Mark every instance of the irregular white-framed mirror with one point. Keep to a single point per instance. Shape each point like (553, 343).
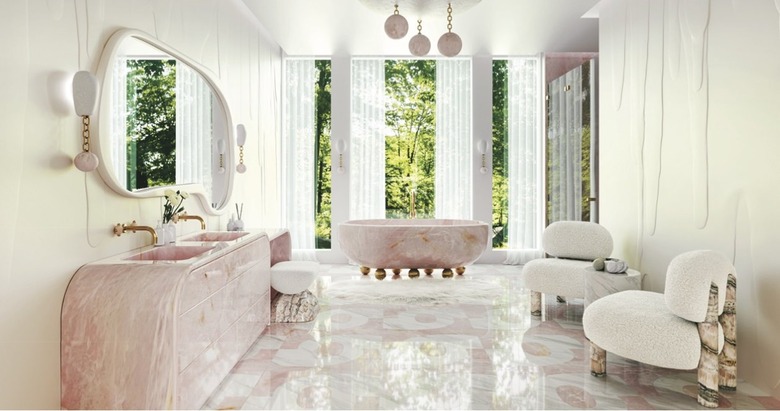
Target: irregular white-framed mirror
(163, 123)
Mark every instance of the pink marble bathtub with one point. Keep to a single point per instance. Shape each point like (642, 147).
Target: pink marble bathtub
(413, 244)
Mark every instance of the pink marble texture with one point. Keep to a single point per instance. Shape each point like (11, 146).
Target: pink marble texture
(281, 247)
(391, 243)
(162, 334)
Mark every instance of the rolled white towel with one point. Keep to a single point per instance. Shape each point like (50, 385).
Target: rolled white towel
(615, 266)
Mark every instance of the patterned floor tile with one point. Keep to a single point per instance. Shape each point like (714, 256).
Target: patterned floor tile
(492, 355)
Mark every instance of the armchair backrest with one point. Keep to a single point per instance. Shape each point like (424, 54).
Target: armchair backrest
(578, 240)
(688, 280)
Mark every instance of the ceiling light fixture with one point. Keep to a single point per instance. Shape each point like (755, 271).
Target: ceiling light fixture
(419, 45)
(450, 43)
(396, 25)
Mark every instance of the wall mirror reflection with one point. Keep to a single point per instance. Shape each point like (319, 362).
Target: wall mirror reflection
(163, 123)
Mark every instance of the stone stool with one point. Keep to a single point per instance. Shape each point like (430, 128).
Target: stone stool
(294, 303)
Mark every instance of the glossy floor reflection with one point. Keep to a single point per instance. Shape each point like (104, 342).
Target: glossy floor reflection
(491, 355)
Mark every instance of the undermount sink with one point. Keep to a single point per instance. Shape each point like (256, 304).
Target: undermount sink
(217, 236)
(171, 253)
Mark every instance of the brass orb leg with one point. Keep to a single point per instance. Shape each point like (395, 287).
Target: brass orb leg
(446, 273)
(460, 270)
(364, 270)
(428, 271)
(380, 274)
(414, 273)
(396, 271)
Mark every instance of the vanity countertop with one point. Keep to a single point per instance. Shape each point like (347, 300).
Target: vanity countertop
(163, 333)
(207, 250)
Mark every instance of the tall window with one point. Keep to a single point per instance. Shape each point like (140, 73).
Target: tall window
(307, 177)
(322, 148)
(517, 152)
(410, 146)
(410, 117)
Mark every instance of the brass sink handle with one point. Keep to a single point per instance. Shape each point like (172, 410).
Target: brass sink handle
(185, 216)
(120, 229)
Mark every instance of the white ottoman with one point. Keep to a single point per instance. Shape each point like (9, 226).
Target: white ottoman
(294, 303)
(293, 277)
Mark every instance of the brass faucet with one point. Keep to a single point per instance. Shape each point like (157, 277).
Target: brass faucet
(184, 216)
(412, 210)
(120, 229)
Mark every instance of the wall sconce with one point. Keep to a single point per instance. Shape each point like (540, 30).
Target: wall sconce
(85, 91)
(341, 147)
(221, 152)
(240, 140)
(482, 147)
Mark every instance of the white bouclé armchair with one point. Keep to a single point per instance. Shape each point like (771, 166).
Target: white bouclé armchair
(692, 325)
(573, 245)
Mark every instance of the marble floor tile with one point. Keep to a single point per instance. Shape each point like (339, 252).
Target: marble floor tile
(492, 355)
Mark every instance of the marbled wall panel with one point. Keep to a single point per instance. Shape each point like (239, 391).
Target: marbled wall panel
(694, 19)
(717, 156)
(637, 54)
(654, 118)
(56, 218)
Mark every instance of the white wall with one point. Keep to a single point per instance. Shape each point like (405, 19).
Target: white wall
(690, 149)
(54, 218)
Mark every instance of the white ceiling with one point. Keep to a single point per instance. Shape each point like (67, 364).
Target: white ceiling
(492, 27)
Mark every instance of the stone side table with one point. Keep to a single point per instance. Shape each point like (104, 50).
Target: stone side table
(602, 283)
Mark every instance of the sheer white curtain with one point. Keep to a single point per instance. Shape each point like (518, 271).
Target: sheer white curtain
(367, 140)
(193, 127)
(525, 203)
(565, 139)
(298, 156)
(118, 133)
(453, 139)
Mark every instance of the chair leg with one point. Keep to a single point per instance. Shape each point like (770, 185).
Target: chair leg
(728, 357)
(536, 303)
(708, 360)
(598, 361)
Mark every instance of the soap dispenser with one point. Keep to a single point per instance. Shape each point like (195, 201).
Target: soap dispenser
(231, 225)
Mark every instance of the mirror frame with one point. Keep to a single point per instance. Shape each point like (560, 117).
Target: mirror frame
(102, 148)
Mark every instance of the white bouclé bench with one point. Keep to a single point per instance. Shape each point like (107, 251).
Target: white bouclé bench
(294, 302)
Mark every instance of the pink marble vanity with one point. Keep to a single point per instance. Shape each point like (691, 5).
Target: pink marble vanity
(163, 331)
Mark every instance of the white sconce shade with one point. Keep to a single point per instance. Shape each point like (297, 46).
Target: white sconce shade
(240, 135)
(482, 147)
(450, 44)
(85, 91)
(341, 147)
(240, 141)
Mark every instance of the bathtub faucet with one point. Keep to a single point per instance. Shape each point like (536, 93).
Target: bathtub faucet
(412, 211)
